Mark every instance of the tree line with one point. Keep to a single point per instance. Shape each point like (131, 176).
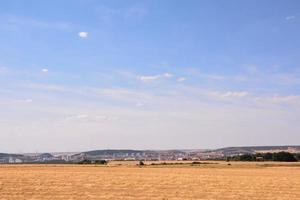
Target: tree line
(278, 156)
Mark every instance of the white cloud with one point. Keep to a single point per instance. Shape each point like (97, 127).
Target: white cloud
(149, 78)
(155, 77)
(236, 94)
(181, 79)
(90, 118)
(230, 94)
(83, 34)
(77, 117)
(167, 75)
(45, 70)
(290, 17)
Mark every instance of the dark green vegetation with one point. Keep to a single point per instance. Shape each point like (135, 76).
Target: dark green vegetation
(99, 162)
(183, 163)
(141, 163)
(279, 156)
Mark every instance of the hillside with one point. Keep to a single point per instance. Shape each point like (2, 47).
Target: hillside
(256, 149)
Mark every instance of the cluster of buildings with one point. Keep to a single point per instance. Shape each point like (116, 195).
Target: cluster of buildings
(120, 155)
(33, 158)
(147, 155)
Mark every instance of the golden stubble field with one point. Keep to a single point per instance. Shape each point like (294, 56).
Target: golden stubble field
(217, 181)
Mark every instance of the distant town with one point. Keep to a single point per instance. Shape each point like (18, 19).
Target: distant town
(145, 155)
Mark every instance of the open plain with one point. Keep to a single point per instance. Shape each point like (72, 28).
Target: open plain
(236, 181)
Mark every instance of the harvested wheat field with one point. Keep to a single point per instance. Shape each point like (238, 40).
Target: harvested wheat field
(236, 182)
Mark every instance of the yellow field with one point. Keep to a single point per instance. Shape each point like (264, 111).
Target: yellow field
(215, 181)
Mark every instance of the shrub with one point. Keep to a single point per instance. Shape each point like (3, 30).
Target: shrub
(196, 163)
(141, 163)
(85, 161)
(101, 162)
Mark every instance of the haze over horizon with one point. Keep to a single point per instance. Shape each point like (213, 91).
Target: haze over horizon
(84, 75)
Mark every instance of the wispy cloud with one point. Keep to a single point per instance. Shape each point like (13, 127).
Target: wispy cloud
(139, 104)
(109, 14)
(91, 118)
(180, 79)
(216, 77)
(155, 77)
(49, 87)
(24, 100)
(291, 17)
(4, 70)
(14, 22)
(279, 99)
(135, 12)
(102, 112)
(106, 14)
(229, 94)
(287, 78)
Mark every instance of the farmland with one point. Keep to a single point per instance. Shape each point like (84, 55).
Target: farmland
(128, 181)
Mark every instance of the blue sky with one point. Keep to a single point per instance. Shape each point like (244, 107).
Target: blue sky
(80, 75)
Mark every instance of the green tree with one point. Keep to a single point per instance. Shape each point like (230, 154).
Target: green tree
(247, 157)
(268, 156)
(298, 156)
(284, 157)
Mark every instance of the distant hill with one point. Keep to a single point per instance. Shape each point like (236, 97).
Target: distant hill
(7, 155)
(256, 149)
(112, 151)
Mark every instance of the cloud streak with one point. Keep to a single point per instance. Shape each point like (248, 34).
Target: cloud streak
(291, 17)
(135, 12)
(181, 79)
(14, 22)
(155, 77)
(231, 94)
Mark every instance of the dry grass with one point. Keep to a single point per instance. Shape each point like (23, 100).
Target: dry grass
(216, 181)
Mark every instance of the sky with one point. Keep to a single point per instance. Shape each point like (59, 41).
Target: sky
(150, 74)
